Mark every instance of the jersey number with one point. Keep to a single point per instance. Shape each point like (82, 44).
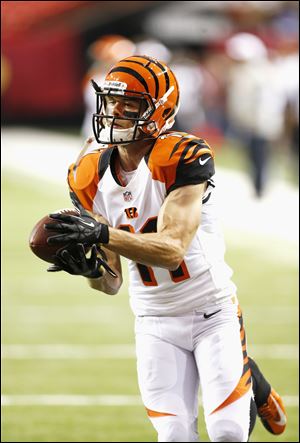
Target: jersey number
(146, 272)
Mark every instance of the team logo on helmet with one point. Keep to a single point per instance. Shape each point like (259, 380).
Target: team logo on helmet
(119, 87)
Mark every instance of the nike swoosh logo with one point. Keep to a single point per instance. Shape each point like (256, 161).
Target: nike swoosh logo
(282, 419)
(202, 162)
(88, 224)
(210, 315)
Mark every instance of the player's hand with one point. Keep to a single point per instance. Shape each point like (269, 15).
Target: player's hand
(77, 229)
(75, 262)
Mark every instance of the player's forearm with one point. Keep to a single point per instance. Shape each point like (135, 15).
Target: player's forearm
(106, 283)
(157, 249)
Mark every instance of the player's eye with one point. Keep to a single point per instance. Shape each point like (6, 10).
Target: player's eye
(132, 106)
(110, 100)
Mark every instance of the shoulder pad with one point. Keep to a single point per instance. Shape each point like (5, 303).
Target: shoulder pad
(84, 171)
(83, 179)
(174, 160)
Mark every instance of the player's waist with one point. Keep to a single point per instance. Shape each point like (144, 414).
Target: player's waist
(185, 307)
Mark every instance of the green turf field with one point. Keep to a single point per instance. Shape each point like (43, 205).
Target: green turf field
(39, 308)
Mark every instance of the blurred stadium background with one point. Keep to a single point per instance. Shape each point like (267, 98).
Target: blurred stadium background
(68, 371)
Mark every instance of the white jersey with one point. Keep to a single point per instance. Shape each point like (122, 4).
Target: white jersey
(176, 159)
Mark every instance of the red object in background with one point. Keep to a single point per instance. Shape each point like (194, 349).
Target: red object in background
(44, 61)
(45, 75)
(24, 16)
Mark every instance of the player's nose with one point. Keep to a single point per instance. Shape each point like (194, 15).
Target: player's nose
(118, 109)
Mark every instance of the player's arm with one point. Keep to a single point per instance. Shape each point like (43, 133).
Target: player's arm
(107, 283)
(178, 220)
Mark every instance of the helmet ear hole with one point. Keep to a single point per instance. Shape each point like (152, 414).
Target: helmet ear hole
(166, 112)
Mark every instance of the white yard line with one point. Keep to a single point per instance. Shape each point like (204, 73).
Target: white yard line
(61, 351)
(93, 400)
(70, 400)
(125, 351)
(63, 314)
(274, 351)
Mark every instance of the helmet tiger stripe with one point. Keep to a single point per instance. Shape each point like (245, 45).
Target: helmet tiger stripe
(154, 82)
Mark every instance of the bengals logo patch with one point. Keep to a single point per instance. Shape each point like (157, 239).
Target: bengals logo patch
(131, 212)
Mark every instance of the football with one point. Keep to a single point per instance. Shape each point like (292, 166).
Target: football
(38, 237)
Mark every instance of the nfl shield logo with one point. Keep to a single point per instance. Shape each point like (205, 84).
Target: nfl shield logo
(127, 196)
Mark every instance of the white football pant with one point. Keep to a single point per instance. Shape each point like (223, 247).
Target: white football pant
(174, 354)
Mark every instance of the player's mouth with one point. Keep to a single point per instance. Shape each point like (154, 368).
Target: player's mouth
(121, 125)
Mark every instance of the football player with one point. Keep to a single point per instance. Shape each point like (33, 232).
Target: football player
(147, 193)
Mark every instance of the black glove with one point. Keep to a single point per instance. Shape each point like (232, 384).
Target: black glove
(77, 229)
(75, 262)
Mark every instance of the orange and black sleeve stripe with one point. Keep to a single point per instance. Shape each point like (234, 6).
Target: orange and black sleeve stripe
(178, 163)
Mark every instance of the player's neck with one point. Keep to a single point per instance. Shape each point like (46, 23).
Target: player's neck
(131, 155)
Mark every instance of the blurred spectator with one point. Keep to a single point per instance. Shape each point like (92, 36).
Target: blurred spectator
(190, 78)
(287, 66)
(153, 48)
(214, 66)
(255, 102)
(103, 53)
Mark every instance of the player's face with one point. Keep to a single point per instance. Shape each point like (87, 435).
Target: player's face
(123, 107)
